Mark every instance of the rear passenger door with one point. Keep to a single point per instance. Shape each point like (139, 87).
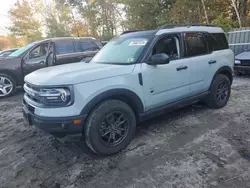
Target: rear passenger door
(198, 55)
(85, 49)
(65, 52)
(220, 55)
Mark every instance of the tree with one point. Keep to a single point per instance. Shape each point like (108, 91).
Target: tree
(237, 12)
(147, 14)
(81, 29)
(24, 23)
(224, 22)
(187, 11)
(205, 10)
(103, 17)
(58, 20)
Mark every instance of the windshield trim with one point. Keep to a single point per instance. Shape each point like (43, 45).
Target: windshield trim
(114, 63)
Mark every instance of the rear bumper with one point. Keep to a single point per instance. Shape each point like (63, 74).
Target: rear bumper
(62, 126)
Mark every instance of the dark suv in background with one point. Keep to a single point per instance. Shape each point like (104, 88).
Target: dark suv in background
(6, 53)
(41, 54)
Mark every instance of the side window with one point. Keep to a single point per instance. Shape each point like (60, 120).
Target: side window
(216, 41)
(169, 45)
(220, 41)
(212, 43)
(93, 46)
(39, 51)
(85, 46)
(64, 47)
(195, 44)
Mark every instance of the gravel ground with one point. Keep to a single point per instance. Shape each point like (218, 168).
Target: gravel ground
(193, 147)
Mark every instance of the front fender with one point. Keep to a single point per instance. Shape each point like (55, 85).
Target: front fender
(126, 95)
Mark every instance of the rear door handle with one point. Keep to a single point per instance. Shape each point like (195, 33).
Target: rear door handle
(181, 68)
(212, 62)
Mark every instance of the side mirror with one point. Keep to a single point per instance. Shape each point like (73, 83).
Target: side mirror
(159, 59)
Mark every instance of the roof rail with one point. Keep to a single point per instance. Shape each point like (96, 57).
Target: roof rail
(170, 26)
(132, 31)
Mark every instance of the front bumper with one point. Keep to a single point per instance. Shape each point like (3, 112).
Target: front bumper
(242, 68)
(62, 126)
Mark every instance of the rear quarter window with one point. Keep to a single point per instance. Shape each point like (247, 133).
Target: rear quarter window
(82, 46)
(217, 41)
(64, 47)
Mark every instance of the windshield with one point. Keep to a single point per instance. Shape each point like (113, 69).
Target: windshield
(21, 50)
(121, 50)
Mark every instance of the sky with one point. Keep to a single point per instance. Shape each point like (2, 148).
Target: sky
(5, 5)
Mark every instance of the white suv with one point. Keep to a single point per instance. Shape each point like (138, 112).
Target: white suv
(134, 77)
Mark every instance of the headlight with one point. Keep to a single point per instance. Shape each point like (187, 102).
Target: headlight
(237, 62)
(56, 97)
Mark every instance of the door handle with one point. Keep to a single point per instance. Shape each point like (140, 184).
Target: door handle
(181, 68)
(212, 62)
(41, 62)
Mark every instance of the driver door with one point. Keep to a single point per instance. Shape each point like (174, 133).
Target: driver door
(36, 58)
(165, 84)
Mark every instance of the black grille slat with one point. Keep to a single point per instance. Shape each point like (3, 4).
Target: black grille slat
(33, 87)
(30, 108)
(245, 62)
(35, 97)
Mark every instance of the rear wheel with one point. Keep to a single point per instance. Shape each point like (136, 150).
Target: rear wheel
(110, 127)
(7, 85)
(220, 92)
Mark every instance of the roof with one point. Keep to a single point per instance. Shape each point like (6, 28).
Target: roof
(140, 33)
(63, 38)
(209, 29)
(171, 26)
(175, 28)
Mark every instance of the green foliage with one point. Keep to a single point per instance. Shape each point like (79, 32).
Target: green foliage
(24, 22)
(186, 11)
(147, 14)
(58, 20)
(224, 22)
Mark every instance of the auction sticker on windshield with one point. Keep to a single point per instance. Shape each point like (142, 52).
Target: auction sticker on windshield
(138, 43)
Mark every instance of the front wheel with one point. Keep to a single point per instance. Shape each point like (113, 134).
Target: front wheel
(7, 85)
(110, 127)
(220, 92)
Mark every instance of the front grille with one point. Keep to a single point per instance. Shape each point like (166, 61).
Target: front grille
(245, 62)
(30, 108)
(32, 93)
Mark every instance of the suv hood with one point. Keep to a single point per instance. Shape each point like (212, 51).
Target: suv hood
(243, 56)
(76, 73)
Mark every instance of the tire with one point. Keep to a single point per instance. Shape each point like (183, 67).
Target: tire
(8, 80)
(100, 120)
(220, 82)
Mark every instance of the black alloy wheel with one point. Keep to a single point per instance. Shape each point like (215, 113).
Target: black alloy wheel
(114, 128)
(222, 92)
